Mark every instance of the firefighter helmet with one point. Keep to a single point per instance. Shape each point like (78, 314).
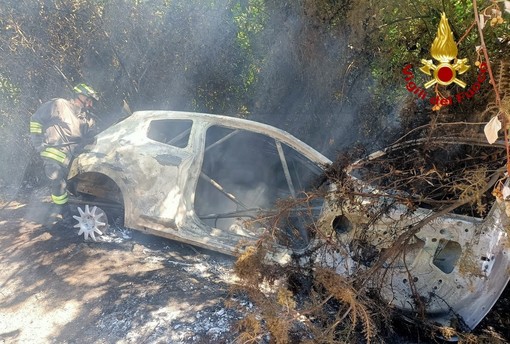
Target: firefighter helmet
(86, 90)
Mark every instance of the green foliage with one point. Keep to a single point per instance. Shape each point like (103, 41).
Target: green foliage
(405, 31)
(250, 20)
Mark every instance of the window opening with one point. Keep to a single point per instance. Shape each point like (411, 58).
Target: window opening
(173, 132)
(226, 137)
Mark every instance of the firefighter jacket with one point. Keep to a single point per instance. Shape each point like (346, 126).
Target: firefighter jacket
(58, 127)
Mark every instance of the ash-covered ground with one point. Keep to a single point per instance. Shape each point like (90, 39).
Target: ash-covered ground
(127, 287)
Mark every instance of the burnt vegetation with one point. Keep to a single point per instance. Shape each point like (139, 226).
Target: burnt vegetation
(444, 165)
(307, 301)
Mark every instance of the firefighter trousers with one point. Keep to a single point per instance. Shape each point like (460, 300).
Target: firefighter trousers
(56, 174)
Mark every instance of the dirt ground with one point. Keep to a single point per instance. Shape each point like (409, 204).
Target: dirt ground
(128, 287)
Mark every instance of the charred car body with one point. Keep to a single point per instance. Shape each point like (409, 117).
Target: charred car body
(194, 177)
(199, 178)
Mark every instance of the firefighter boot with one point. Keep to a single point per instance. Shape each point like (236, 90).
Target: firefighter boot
(60, 213)
(66, 213)
(53, 214)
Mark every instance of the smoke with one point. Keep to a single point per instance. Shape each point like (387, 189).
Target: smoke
(302, 86)
(306, 79)
(267, 61)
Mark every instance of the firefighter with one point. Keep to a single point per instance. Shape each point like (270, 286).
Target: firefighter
(57, 129)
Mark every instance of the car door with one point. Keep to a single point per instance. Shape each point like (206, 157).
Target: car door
(245, 174)
(164, 160)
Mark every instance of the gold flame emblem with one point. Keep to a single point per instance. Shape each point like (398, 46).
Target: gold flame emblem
(444, 50)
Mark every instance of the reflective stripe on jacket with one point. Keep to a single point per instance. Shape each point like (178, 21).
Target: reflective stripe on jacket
(36, 128)
(55, 154)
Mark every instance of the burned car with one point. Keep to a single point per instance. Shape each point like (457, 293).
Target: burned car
(205, 179)
(192, 177)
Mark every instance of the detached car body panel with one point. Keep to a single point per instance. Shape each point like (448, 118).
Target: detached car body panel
(199, 178)
(455, 266)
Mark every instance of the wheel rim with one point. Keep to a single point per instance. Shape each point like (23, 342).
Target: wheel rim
(91, 221)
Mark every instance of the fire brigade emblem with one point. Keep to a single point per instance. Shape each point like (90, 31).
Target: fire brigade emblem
(444, 50)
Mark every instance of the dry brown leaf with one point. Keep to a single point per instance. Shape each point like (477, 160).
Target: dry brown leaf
(491, 129)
